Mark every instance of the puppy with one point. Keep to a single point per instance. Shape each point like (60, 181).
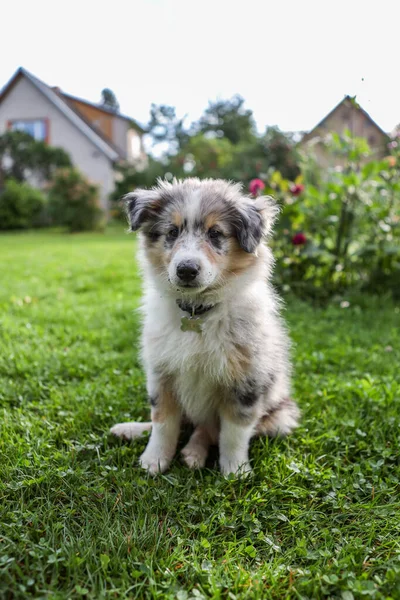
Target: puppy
(214, 348)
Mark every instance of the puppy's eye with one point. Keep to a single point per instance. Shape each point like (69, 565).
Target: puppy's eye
(173, 233)
(214, 233)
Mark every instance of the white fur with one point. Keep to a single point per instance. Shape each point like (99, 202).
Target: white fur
(234, 447)
(200, 362)
(190, 250)
(162, 445)
(130, 431)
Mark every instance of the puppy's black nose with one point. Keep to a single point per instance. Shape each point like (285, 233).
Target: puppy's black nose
(187, 270)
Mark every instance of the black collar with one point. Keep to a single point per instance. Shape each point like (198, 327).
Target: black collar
(194, 309)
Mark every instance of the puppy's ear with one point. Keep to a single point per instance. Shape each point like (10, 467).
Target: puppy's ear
(254, 221)
(142, 206)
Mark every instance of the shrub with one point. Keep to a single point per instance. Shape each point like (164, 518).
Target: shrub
(117, 212)
(340, 231)
(74, 202)
(21, 206)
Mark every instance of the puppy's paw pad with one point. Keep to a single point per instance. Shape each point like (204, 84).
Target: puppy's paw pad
(194, 458)
(154, 464)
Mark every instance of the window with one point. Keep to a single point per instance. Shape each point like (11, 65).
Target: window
(134, 145)
(37, 128)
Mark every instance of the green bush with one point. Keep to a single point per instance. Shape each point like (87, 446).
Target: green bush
(74, 202)
(21, 206)
(339, 230)
(117, 212)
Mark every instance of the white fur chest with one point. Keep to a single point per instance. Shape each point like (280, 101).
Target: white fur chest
(201, 363)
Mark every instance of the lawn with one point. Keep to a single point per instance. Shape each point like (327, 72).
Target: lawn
(78, 518)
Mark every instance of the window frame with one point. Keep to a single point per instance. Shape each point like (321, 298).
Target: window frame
(44, 120)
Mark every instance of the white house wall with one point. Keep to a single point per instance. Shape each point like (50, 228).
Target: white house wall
(119, 134)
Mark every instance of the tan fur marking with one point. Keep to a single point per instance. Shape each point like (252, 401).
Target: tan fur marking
(155, 253)
(176, 218)
(239, 260)
(212, 257)
(211, 220)
(166, 403)
(239, 360)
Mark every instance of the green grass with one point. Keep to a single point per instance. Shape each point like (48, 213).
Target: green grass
(78, 518)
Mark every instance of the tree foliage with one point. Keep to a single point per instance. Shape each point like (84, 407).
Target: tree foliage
(22, 156)
(165, 126)
(109, 100)
(129, 177)
(222, 143)
(228, 119)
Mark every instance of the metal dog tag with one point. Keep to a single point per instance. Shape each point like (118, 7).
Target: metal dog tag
(191, 324)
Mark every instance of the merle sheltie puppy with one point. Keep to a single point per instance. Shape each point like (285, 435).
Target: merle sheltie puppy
(214, 347)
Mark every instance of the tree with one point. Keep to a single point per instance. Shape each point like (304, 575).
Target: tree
(130, 177)
(223, 143)
(255, 158)
(165, 126)
(202, 157)
(109, 100)
(280, 150)
(21, 155)
(229, 119)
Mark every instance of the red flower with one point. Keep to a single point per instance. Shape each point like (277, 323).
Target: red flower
(299, 239)
(256, 186)
(391, 160)
(297, 189)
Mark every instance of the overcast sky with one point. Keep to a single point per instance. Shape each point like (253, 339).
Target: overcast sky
(292, 61)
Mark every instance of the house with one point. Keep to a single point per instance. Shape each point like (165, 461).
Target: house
(96, 138)
(349, 115)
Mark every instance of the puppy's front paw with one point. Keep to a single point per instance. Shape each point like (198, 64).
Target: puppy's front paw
(154, 464)
(235, 467)
(194, 456)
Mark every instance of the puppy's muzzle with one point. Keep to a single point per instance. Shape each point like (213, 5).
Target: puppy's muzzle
(187, 271)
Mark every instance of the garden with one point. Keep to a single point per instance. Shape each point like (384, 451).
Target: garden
(339, 227)
(320, 518)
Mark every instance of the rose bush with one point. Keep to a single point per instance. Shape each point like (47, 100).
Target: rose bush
(340, 229)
